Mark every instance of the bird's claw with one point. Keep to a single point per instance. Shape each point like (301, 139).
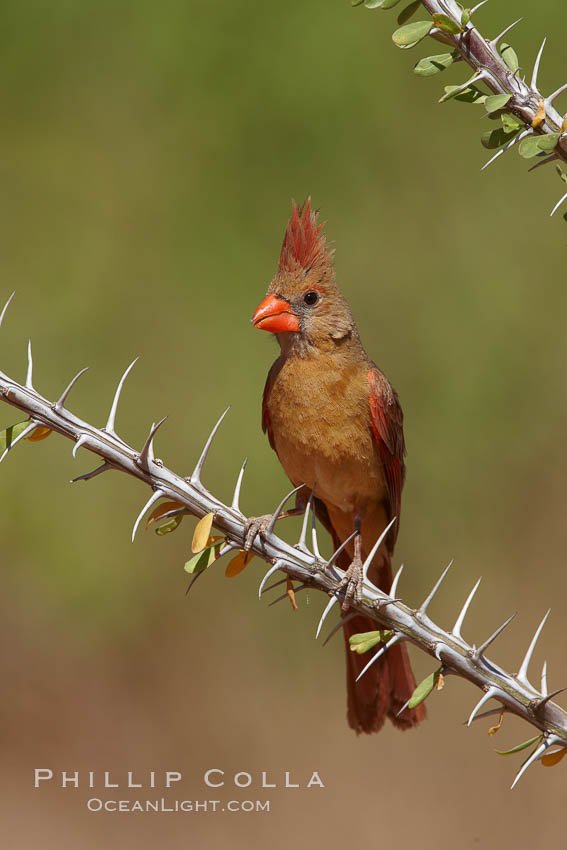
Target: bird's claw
(352, 580)
(255, 525)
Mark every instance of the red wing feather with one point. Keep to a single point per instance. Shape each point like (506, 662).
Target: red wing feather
(266, 425)
(386, 421)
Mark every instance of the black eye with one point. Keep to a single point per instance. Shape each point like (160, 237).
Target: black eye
(311, 298)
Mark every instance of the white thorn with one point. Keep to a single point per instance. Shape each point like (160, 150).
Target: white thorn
(456, 630)
(314, 540)
(477, 7)
(338, 551)
(150, 455)
(375, 548)
(549, 100)
(478, 652)
(544, 679)
(488, 695)
(63, 397)
(227, 548)
(153, 498)
(380, 652)
(403, 708)
(523, 672)
(534, 756)
(507, 147)
(29, 375)
(270, 572)
(80, 442)
(327, 610)
(491, 712)
(279, 509)
(425, 605)
(31, 427)
(558, 204)
(196, 474)
(494, 42)
(301, 545)
(236, 498)
(394, 587)
(146, 456)
(88, 475)
(474, 79)
(439, 647)
(109, 427)
(536, 66)
(6, 305)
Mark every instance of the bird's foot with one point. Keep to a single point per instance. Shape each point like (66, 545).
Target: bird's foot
(255, 525)
(353, 579)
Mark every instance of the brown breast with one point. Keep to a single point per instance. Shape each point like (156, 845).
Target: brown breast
(319, 417)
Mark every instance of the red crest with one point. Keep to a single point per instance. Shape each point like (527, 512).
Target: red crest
(304, 245)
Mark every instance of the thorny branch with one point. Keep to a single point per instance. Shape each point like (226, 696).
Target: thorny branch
(513, 692)
(536, 113)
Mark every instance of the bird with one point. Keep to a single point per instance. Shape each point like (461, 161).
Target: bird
(336, 425)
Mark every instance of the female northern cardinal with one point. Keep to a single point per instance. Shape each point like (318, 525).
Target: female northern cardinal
(335, 423)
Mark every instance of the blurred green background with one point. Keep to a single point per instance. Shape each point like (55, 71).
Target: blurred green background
(148, 156)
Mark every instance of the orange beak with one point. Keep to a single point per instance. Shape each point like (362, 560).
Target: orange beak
(275, 315)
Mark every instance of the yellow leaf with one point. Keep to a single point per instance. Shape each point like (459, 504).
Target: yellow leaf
(494, 729)
(564, 126)
(201, 533)
(440, 682)
(40, 433)
(237, 564)
(554, 758)
(539, 117)
(291, 593)
(161, 510)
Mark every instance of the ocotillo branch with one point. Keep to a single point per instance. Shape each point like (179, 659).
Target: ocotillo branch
(525, 116)
(513, 693)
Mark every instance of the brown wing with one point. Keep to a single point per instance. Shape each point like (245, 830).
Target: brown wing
(386, 422)
(266, 425)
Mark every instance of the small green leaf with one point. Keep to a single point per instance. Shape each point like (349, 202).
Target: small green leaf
(204, 559)
(519, 748)
(9, 434)
(532, 145)
(364, 641)
(561, 173)
(197, 563)
(510, 123)
(411, 34)
(470, 94)
(446, 24)
(548, 142)
(430, 65)
(496, 102)
(424, 689)
(465, 17)
(529, 147)
(356, 2)
(408, 12)
(496, 138)
(371, 4)
(510, 56)
(169, 526)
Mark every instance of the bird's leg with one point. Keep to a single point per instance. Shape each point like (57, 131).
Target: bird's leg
(353, 578)
(259, 524)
